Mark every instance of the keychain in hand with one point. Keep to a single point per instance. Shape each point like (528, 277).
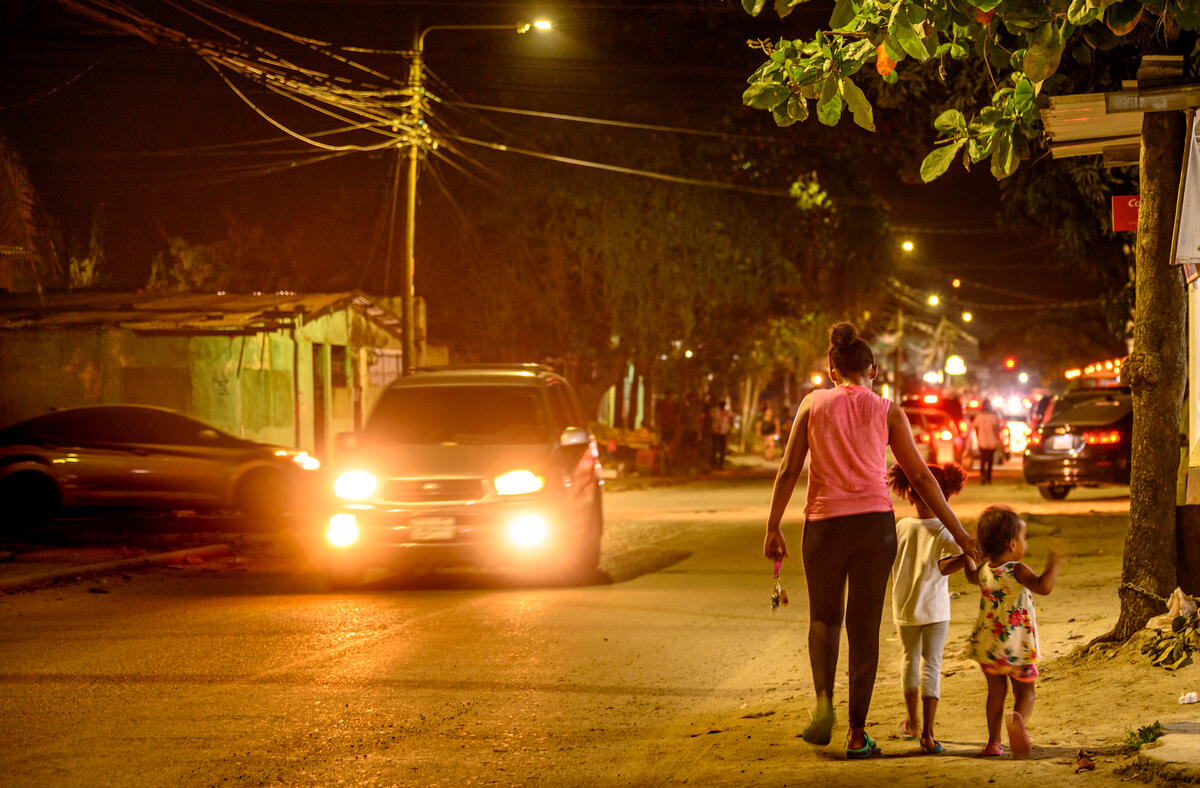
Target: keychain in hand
(778, 595)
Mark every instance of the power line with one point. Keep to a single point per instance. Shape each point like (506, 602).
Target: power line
(604, 122)
(659, 176)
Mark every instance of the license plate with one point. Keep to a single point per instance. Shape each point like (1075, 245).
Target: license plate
(1062, 442)
(431, 529)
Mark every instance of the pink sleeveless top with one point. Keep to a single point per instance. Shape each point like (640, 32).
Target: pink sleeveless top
(847, 439)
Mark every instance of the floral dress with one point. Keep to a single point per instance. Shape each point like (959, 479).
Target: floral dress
(1005, 640)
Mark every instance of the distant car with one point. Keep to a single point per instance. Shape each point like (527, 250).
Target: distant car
(1083, 440)
(140, 457)
(938, 426)
(487, 465)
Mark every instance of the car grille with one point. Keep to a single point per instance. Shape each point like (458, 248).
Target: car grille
(430, 490)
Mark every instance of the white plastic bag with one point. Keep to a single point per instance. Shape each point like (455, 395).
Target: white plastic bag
(1180, 604)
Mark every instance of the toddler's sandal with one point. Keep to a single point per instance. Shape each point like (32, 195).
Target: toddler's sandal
(992, 750)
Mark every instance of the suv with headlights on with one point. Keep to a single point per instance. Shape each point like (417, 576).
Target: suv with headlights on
(487, 465)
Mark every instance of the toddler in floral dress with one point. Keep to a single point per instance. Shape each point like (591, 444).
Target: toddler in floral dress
(1005, 639)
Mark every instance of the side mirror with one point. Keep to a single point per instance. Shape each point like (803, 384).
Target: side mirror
(574, 436)
(345, 441)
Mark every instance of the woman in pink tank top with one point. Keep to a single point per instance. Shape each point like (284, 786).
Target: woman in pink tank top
(849, 538)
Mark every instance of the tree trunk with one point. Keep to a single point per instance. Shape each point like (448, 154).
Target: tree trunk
(1156, 370)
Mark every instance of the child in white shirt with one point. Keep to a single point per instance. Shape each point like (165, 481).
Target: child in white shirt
(925, 554)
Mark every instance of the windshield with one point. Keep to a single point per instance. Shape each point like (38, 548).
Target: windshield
(460, 414)
(1093, 408)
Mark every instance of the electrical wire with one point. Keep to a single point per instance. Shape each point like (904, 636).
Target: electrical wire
(604, 122)
(47, 93)
(659, 176)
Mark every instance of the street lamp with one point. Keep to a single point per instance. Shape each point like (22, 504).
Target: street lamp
(907, 246)
(416, 74)
(933, 300)
(967, 317)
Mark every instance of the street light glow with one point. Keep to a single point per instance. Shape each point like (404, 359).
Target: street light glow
(934, 300)
(956, 366)
(956, 282)
(541, 25)
(967, 317)
(907, 246)
(1023, 377)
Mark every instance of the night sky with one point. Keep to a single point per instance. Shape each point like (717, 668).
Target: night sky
(102, 117)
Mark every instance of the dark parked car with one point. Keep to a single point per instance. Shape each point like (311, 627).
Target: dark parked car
(1083, 440)
(482, 465)
(140, 457)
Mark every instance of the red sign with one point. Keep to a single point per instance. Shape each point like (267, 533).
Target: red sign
(1124, 212)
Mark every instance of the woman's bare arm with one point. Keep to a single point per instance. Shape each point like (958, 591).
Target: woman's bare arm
(904, 449)
(774, 546)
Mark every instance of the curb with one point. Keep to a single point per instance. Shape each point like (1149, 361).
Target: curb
(107, 567)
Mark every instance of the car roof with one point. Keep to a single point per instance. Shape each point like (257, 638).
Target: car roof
(478, 374)
(105, 408)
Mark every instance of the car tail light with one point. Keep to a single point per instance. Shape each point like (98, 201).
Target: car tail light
(962, 426)
(1036, 439)
(1101, 437)
(924, 437)
(946, 435)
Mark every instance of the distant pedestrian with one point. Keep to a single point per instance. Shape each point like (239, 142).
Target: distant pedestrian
(721, 418)
(767, 428)
(849, 537)
(989, 437)
(1005, 640)
(925, 554)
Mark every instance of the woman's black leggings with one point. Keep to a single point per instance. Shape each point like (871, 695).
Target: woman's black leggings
(858, 548)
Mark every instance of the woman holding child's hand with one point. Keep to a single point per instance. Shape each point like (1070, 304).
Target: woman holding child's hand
(849, 535)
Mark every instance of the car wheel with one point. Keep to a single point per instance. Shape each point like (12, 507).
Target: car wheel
(31, 500)
(1054, 492)
(263, 494)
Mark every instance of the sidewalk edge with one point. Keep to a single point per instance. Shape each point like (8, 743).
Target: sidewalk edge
(107, 567)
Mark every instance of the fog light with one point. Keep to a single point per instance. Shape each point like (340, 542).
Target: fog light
(343, 530)
(528, 530)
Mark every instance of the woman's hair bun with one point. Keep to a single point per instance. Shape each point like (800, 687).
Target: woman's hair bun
(843, 334)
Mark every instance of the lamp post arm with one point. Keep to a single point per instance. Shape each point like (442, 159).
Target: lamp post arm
(426, 31)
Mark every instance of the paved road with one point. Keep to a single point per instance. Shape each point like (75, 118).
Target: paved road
(253, 674)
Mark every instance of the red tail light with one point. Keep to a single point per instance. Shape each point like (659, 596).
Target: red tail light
(962, 426)
(1036, 438)
(1101, 437)
(924, 437)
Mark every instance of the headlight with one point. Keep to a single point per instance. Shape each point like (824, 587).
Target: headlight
(306, 461)
(528, 530)
(342, 531)
(518, 483)
(354, 486)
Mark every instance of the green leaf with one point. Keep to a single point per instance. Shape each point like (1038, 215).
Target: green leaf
(951, 120)
(753, 7)
(859, 106)
(982, 5)
(854, 57)
(1044, 52)
(843, 14)
(908, 39)
(939, 160)
(781, 116)
(1004, 162)
(829, 105)
(1023, 95)
(1123, 17)
(797, 108)
(765, 95)
(1079, 13)
(893, 49)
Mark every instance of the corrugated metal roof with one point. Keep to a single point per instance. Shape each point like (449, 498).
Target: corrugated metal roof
(189, 313)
